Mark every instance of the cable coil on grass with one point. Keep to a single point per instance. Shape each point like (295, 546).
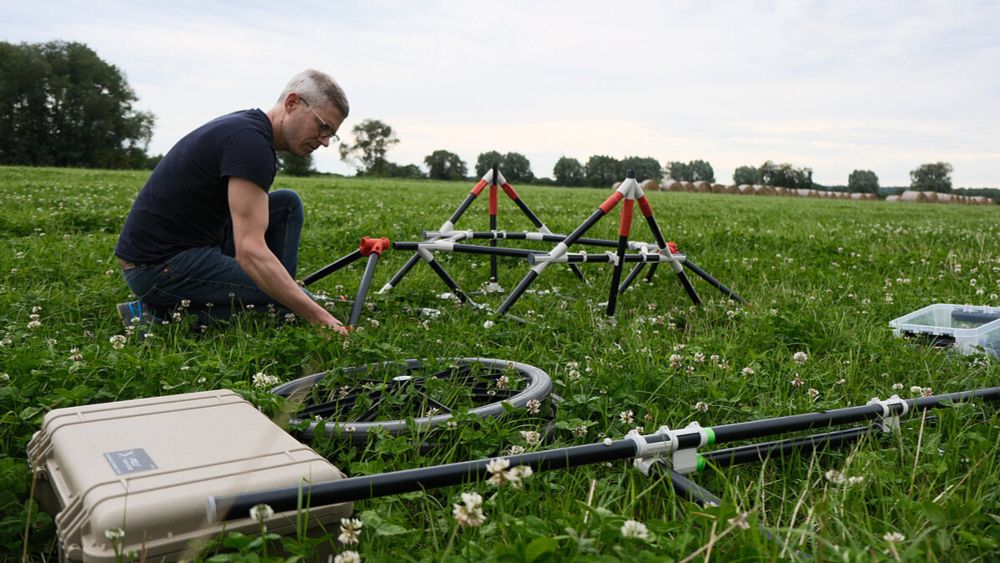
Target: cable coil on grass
(399, 397)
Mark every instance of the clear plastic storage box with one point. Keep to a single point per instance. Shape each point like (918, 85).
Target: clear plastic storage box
(971, 329)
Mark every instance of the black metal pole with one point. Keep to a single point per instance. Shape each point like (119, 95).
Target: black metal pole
(474, 249)
(589, 222)
(448, 281)
(647, 212)
(493, 223)
(545, 237)
(331, 268)
(366, 281)
(690, 490)
(222, 508)
(714, 282)
(794, 423)
(632, 275)
(399, 275)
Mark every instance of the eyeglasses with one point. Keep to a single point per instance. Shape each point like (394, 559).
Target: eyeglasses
(325, 130)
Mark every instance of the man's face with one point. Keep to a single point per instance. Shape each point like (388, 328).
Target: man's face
(312, 126)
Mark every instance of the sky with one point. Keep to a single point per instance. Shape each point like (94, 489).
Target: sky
(833, 86)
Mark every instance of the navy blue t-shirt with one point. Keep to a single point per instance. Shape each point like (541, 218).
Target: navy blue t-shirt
(185, 202)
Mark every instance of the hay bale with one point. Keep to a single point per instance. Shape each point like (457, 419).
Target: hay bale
(892, 198)
(674, 186)
(871, 197)
(802, 192)
(945, 198)
(745, 189)
(913, 196)
(732, 189)
(718, 189)
(650, 186)
(762, 190)
(857, 196)
(702, 186)
(687, 186)
(932, 197)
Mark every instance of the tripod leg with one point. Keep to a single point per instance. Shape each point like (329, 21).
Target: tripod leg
(631, 276)
(623, 232)
(331, 268)
(714, 282)
(366, 281)
(398, 276)
(448, 281)
(647, 212)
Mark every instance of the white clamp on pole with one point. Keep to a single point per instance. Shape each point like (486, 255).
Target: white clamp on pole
(612, 258)
(889, 420)
(683, 461)
(647, 454)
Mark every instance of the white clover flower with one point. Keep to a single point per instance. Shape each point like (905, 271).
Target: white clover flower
(498, 465)
(350, 529)
(469, 513)
(897, 386)
(925, 391)
(516, 449)
(675, 360)
(574, 375)
(800, 357)
(488, 324)
(701, 406)
(626, 417)
(534, 406)
(114, 534)
(430, 313)
(699, 357)
(797, 382)
(608, 441)
(347, 556)
(747, 371)
(813, 393)
(633, 529)
(117, 341)
(503, 382)
(531, 437)
(857, 480)
(4, 377)
(580, 431)
(834, 476)
(262, 380)
(261, 512)
(740, 521)
(893, 537)
(915, 389)
(34, 324)
(518, 475)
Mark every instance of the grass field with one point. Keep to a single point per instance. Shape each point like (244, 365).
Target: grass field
(822, 278)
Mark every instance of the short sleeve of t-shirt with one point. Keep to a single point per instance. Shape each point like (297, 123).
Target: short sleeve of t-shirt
(243, 155)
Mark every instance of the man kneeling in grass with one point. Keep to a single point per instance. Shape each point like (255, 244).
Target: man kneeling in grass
(205, 232)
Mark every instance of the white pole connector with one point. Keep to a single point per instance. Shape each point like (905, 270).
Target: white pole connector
(889, 421)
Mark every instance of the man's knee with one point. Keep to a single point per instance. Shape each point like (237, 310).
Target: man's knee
(287, 200)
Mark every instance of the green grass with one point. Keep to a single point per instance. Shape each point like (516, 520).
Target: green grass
(823, 277)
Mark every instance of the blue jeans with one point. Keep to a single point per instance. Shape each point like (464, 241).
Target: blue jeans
(209, 280)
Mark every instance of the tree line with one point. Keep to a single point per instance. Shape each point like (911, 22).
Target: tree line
(61, 105)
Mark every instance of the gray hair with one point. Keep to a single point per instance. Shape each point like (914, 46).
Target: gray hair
(317, 87)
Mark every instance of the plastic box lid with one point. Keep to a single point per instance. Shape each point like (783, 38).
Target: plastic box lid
(146, 466)
(970, 328)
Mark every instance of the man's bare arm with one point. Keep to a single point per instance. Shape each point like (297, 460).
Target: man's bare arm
(248, 205)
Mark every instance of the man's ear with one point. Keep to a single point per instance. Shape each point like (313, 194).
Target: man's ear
(291, 101)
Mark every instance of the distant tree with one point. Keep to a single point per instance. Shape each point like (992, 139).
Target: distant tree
(602, 171)
(61, 105)
(935, 177)
(746, 175)
(372, 140)
(701, 170)
(785, 175)
(646, 168)
(680, 171)
(516, 168)
(404, 171)
(486, 161)
(445, 165)
(863, 181)
(295, 165)
(569, 172)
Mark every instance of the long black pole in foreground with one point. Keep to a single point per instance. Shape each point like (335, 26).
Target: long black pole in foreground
(222, 508)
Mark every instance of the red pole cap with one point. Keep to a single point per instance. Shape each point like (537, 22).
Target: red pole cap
(672, 247)
(376, 245)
